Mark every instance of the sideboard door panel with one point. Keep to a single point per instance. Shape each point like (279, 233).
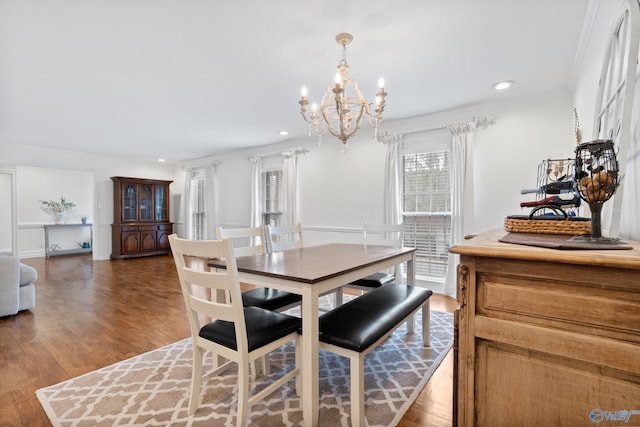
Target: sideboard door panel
(519, 387)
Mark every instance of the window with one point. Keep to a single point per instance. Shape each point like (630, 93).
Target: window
(273, 204)
(197, 198)
(426, 206)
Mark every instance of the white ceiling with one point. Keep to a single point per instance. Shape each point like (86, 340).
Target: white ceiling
(183, 79)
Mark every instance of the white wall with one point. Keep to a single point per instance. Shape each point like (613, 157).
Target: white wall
(30, 232)
(6, 214)
(507, 154)
(339, 190)
(585, 92)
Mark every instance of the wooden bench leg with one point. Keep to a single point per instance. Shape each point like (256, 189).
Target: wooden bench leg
(357, 390)
(426, 324)
(411, 321)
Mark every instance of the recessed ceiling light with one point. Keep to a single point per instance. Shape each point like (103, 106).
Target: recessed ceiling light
(284, 132)
(161, 160)
(503, 85)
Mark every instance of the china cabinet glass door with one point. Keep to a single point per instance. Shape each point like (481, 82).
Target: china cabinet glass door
(162, 203)
(146, 203)
(129, 207)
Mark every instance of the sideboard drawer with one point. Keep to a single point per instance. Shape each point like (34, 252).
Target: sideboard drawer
(568, 303)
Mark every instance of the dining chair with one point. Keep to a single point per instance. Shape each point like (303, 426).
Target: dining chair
(239, 334)
(251, 241)
(283, 237)
(286, 237)
(384, 235)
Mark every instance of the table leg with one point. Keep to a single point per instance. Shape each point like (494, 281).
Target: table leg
(411, 280)
(310, 363)
(337, 298)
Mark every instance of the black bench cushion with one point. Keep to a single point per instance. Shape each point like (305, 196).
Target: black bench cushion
(269, 299)
(374, 280)
(359, 323)
(263, 327)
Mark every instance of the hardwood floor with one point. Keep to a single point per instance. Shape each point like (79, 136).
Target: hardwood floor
(91, 314)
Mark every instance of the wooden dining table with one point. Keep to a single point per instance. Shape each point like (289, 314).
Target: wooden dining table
(311, 272)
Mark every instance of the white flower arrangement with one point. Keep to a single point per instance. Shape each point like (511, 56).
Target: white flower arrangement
(56, 208)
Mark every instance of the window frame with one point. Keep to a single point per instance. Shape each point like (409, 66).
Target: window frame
(198, 200)
(425, 144)
(272, 208)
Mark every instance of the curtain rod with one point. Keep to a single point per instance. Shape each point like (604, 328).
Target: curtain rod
(483, 121)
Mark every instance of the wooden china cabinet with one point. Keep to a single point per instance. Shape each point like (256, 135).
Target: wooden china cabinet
(141, 224)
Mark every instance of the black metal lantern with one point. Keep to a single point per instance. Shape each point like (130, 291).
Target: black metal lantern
(596, 179)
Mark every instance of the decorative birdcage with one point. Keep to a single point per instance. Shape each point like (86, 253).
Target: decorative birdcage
(597, 178)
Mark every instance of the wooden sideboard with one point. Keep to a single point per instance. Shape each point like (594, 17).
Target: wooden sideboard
(546, 337)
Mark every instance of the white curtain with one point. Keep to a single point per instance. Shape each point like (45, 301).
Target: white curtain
(188, 205)
(461, 193)
(256, 191)
(391, 197)
(291, 215)
(210, 200)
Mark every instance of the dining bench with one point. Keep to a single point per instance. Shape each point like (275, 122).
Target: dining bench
(357, 327)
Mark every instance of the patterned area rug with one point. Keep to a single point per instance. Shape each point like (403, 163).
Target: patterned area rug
(152, 389)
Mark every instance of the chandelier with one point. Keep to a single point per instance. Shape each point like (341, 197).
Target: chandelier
(343, 107)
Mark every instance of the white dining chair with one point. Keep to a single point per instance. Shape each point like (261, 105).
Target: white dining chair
(255, 244)
(251, 241)
(239, 334)
(284, 237)
(383, 235)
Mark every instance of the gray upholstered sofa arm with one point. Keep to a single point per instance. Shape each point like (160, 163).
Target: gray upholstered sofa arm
(9, 285)
(17, 291)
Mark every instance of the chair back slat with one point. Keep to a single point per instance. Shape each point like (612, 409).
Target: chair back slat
(212, 309)
(383, 234)
(217, 280)
(246, 241)
(284, 237)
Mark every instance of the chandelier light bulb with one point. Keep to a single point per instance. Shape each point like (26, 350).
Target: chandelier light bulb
(314, 107)
(338, 78)
(304, 91)
(381, 83)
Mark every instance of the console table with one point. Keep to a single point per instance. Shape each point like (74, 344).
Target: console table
(546, 337)
(65, 247)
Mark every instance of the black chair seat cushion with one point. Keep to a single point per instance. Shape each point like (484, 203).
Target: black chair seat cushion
(269, 299)
(263, 327)
(374, 280)
(359, 323)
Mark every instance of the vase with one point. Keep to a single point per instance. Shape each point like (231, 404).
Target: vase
(60, 218)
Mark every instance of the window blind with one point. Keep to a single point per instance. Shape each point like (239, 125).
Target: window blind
(426, 205)
(273, 197)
